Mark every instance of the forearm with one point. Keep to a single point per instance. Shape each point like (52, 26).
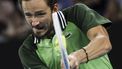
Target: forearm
(96, 48)
(99, 45)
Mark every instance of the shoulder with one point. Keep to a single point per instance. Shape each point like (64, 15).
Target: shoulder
(77, 6)
(27, 45)
(81, 5)
(75, 11)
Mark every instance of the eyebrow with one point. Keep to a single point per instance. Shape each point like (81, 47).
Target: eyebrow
(36, 12)
(25, 0)
(28, 14)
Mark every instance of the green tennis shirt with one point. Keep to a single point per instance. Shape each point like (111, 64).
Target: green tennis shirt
(46, 53)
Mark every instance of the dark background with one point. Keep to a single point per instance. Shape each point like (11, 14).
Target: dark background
(116, 40)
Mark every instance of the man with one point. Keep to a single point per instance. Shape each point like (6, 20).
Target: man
(87, 41)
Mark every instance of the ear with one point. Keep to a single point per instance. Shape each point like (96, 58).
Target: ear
(55, 8)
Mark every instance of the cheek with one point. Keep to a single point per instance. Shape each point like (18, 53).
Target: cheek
(28, 20)
(46, 19)
(49, 21)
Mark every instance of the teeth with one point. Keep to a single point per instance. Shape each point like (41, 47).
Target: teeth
(41, 26)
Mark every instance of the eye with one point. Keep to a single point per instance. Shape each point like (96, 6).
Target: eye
(40, 14)
(28, 14)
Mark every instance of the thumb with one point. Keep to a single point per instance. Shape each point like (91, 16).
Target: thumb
(77, 65)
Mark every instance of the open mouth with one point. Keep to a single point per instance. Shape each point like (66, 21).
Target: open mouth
(41, 26)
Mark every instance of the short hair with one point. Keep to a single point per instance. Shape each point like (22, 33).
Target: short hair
(50, 3)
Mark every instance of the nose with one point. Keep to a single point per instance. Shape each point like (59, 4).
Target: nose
(35, 21)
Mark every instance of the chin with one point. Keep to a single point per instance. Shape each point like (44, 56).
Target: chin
(40, 34)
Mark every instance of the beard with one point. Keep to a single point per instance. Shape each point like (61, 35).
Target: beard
(42, 30)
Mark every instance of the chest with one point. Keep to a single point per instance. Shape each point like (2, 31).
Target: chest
(48, 50)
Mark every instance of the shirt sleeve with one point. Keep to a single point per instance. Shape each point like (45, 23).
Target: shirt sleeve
(84, 17)
(29, 59)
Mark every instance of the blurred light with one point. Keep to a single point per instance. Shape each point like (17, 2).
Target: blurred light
(64, 3)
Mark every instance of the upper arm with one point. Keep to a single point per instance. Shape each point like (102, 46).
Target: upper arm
(97, 31)
(99, 35)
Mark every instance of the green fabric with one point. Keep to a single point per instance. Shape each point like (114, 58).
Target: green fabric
(47, 55)
(50, 55)
(84, 17)
(29, 57)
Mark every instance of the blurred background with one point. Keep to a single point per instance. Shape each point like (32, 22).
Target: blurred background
(14, 28)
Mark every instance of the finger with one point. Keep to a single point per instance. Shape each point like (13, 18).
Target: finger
(72, 61)
(62, 65)
(77, 65)
(71, 64)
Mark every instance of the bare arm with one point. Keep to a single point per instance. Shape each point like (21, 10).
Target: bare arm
(99, 42)
(98, 46)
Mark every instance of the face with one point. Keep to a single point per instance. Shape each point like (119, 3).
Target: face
(38, 15)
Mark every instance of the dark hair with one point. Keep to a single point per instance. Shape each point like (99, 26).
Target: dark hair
(50, 3)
